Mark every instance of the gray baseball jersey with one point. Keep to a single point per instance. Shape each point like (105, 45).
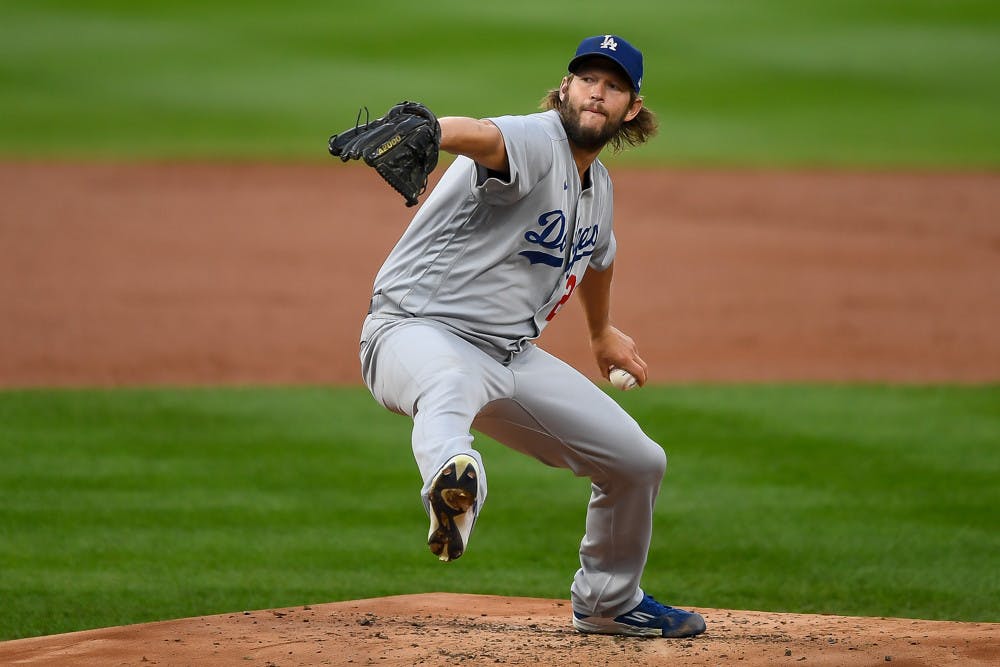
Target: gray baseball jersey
(494, 257)
(484, 266)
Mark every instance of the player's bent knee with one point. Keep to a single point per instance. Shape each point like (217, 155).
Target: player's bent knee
(643, 462)
(649, 463)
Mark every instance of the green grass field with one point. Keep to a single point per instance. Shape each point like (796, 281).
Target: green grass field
(761, 82)
(136, 505)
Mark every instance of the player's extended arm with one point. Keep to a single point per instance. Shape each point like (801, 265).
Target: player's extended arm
(610, 346)
(479, 140)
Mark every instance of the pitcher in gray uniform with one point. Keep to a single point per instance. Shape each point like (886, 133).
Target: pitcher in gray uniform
(520, 221)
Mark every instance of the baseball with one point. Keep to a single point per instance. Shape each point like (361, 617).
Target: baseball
(623, 379)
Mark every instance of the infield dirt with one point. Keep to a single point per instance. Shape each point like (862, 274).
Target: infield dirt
(185, 274)
(229, 274)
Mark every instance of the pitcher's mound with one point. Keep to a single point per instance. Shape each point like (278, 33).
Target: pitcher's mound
(447, 629)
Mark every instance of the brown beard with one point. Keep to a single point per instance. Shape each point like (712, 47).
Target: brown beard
(586, 138)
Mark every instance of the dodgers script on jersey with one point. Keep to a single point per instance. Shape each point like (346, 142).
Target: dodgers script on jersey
(494, 257)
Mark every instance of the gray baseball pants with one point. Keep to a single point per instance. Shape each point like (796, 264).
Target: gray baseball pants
(538, 405)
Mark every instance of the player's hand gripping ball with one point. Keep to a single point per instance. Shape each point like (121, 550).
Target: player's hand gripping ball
(622, 379)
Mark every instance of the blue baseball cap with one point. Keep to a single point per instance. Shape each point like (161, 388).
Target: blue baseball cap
(615, 48)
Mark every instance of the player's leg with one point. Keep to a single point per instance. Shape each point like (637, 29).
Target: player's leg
(419, 369)
(560, 417)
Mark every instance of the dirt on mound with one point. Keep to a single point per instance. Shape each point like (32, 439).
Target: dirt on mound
(446, 629)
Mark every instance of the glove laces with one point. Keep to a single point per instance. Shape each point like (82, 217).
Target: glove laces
(357, 121)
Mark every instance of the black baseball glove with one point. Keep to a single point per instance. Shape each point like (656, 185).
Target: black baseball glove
(402, 146)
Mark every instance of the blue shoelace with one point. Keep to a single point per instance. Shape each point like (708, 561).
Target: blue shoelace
(651, 606)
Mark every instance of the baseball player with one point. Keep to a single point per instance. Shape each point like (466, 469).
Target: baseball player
(519, 222)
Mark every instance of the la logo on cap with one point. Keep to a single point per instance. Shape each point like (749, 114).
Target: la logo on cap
(614, 48)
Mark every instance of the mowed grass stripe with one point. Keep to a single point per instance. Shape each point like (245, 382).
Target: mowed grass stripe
(137, 505)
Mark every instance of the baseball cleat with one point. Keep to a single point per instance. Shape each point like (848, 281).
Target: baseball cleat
(453, 507)
(648, 619)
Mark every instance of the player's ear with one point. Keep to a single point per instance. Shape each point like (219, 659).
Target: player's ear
(564, 87)
(634, 109)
